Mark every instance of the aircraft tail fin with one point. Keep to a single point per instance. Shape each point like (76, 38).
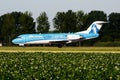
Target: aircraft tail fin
(94, 27)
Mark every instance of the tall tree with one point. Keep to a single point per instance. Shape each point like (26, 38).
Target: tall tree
(58, 22)
(81, 20)
(7, 28)
(114, 28)
(65, 22)
(70, 21)
(16, 16)
(26, 24)
(43, 23)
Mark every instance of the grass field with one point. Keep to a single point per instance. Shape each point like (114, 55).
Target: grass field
(64, 49)
(59, 66)
(52, 63)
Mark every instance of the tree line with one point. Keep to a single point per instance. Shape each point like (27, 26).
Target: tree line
(16, 23)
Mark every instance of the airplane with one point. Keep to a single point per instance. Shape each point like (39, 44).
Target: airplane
(60, 38)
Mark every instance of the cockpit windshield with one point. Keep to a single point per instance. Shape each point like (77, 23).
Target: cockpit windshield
(18, 37)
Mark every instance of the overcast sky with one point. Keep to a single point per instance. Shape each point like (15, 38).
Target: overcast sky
(51, 7)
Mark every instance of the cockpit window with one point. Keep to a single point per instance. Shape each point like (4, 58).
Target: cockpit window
(18, 37)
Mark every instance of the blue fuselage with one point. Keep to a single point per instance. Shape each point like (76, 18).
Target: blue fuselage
(47, 38)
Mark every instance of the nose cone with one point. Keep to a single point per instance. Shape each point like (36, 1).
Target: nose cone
(14, 41)
(18, 41)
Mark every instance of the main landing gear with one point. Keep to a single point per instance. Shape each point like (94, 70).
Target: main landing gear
(60, 45)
